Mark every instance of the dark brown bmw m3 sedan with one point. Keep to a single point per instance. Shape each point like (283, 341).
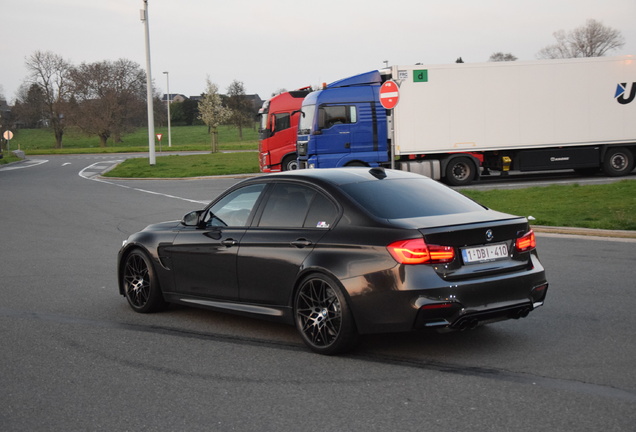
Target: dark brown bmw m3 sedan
(339, 253)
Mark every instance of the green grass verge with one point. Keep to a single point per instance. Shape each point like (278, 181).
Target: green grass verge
(609, 206)
(184, 138)
(188, 166)
(8, 158)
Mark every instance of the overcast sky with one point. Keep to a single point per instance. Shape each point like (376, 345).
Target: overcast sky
(274, 44)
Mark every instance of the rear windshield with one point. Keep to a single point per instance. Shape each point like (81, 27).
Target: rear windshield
(409, 198)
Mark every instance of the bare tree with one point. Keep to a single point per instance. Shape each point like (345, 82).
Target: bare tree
(108, 98)
(50, 72)
(212, 112)
(241, 107)
(591, 40)
(501, 57)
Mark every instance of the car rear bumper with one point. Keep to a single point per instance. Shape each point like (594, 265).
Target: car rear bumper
(414, 297)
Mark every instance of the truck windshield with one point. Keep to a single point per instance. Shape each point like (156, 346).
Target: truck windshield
(306, 119)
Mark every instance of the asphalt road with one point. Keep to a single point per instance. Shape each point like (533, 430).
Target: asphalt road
(74, 357)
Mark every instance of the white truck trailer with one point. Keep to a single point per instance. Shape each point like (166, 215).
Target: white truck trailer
(459, 121)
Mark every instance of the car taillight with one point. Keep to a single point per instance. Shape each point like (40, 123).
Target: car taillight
(526, 243)
(416, 251)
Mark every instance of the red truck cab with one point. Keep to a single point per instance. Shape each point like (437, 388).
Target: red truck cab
(278, 129)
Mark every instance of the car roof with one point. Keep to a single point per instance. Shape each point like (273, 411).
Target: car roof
(342, 176)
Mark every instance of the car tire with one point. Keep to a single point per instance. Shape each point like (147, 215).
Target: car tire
(140, 283)
(460, 171)
(322, 316)
(618, 161)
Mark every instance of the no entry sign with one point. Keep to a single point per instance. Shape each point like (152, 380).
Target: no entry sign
(389, 94)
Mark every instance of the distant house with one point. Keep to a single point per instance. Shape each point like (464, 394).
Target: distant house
(256, 101)
(174, 97)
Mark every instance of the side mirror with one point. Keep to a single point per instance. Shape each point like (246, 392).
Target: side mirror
(192, 218)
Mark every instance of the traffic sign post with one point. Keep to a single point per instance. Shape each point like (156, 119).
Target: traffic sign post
(389, 94)
(389, 98)
(159, 136)
(8, 135)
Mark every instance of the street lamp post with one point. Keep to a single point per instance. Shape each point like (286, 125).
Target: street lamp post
(168, 100)
(151, 119)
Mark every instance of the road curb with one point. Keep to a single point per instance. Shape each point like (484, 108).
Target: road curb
(585, 231)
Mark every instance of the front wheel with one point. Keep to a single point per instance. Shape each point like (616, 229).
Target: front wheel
(619, 161)
(322, 316)
(140, 283)
(289, 163)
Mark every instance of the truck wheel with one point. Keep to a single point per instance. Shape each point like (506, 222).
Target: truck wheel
(618, 161)
(289, 163)
(356, 164)
(460, 171)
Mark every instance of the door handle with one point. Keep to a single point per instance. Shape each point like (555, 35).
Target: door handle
(301, 243)
(229, 242)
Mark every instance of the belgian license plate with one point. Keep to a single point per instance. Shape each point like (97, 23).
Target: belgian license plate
(482, 254)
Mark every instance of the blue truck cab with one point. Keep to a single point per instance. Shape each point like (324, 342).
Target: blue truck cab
(344, 124)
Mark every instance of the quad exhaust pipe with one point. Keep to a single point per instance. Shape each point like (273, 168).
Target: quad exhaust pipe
(521, 313)
(468, 324)
(471, 323)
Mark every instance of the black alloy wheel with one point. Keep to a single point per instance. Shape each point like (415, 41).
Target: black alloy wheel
(322, 316)
(140, 284)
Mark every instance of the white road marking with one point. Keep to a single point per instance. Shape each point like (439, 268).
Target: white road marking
(90, 172)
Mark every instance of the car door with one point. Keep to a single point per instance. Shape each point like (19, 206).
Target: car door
(204, 257)
(293, 220)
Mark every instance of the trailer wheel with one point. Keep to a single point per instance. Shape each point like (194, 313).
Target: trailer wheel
(460, 171)
(618, 161)
(290, 163)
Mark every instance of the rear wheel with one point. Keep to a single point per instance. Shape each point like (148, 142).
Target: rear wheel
(322, 316)
(141, 287)
(619, 161)
(460, 171)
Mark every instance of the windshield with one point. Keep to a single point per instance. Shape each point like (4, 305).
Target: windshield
(306, 119)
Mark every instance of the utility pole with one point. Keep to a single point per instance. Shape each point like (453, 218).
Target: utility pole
(168, 100)
(151, 118)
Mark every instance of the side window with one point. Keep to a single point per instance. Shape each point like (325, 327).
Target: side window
(322, 213)
(287, 206)
(329, 116)
(281, 122)
(234, 209)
